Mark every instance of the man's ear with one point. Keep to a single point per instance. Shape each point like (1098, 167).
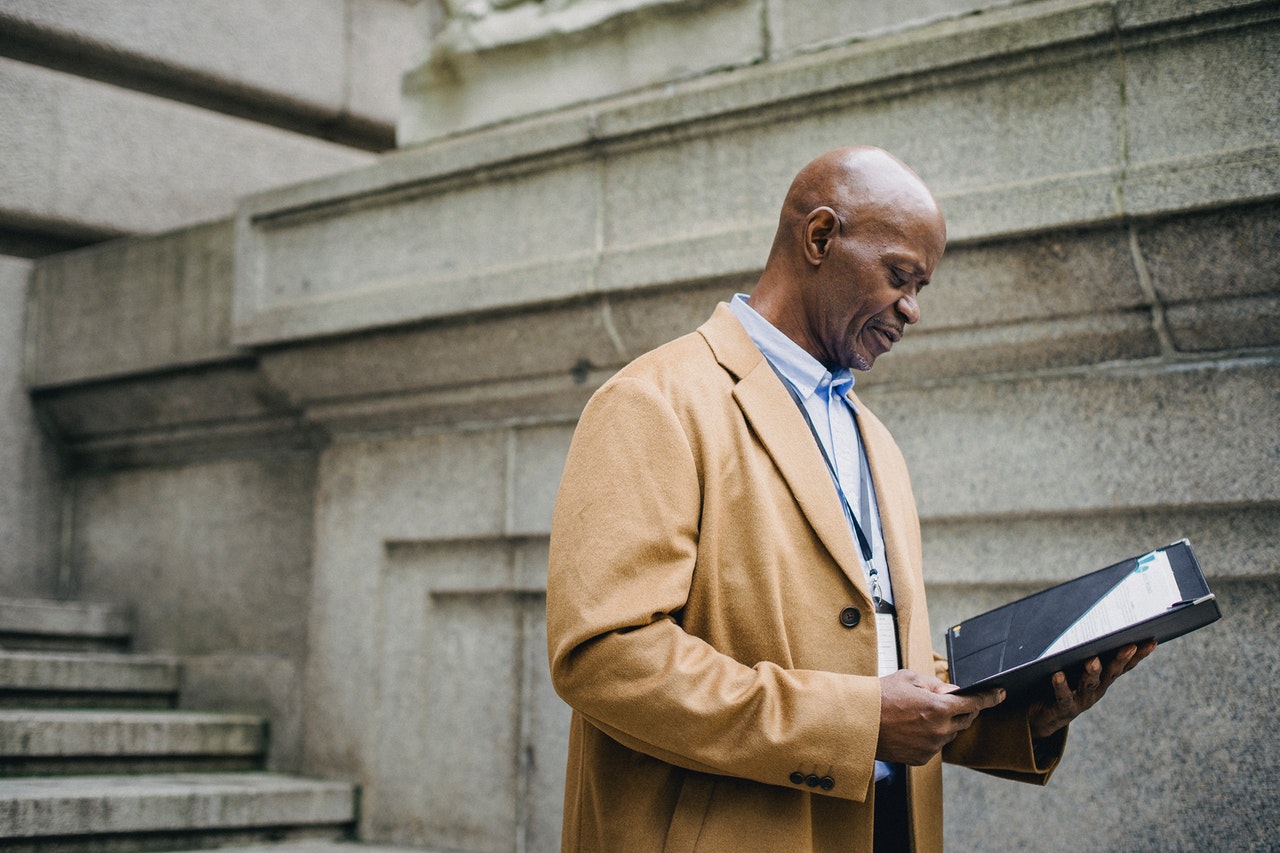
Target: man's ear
(819, 229)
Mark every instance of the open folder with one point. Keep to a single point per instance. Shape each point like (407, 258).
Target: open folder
(1158, 595)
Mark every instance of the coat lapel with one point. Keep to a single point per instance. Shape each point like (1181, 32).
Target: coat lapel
(881, 456)
(782, 430)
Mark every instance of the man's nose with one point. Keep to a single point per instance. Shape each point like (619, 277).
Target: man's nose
(909, 308)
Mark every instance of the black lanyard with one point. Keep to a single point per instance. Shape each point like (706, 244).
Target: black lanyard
(864, 544)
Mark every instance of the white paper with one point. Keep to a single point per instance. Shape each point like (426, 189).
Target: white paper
(1149, 590)
(887, 643)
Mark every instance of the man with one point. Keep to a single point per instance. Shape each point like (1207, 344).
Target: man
(735, 608)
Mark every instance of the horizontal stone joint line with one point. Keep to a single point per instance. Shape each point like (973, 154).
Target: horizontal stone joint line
(401, 548)
(517, 593)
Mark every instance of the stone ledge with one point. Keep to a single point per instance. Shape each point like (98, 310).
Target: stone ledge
(1100, 439)
(628, 185)
(181, 165)
(1032, 551)
(104, 805)
(166, 298)
(22, 672)
(321, 847)
(233, 57)
(72, 619)
(537, 57)
(364, 303)
(133, 734)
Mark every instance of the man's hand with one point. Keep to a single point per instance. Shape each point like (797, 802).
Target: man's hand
(1048, 716)
(919, 716)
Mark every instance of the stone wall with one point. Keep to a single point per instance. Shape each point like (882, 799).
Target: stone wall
(385, 367)
(140, 117)
(495, 60)
(30, 500)
(137, 117)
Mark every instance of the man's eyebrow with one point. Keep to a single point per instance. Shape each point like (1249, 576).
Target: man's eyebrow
(906, 264)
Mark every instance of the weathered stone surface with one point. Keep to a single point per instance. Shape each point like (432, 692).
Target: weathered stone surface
(1245, 322)
(30, 493)
(802, 25)
(336, 62)
(432, 256)
(81, 141)
(239, 529)
(537, 456)
(1214, 255)
(318, 847)
(682, 186)
(45, 679)
(73, 621)
(1214, 271)
(536, 56)
(103, 804)
(484, 352)
(371, 495)
(268, 685)
(1132, 437)
(1033, 551)
(134, 305)
(125, 734)
(437, 556)
(202, 394)
(1206, 99)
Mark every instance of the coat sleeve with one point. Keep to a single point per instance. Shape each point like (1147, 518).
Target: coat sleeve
(624, 544)
(999, 742)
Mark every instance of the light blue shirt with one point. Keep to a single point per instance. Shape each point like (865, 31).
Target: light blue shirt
(825, 398)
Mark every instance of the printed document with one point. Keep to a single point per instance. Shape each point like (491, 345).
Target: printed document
(1149, 590)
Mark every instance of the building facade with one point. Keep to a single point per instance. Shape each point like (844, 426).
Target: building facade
(310, 426)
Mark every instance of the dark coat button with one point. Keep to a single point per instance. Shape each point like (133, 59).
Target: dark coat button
(811, 780)
(797, 778)
(850, 617)
(827, 783)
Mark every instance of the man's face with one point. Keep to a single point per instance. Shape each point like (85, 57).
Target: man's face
(869, 281)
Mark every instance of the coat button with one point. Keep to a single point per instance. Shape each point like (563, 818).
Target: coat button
(850, 617)
(812, 780)
(826, 783)
(797, 778)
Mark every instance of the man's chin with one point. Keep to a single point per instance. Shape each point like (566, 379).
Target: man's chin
(861, 361)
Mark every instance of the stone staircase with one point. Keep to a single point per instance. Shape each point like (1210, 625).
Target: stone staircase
(95, 757)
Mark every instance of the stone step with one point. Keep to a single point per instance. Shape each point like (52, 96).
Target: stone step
(170, 811)
(325, 847)
(43, 679)
(42, 743)
(63, 625)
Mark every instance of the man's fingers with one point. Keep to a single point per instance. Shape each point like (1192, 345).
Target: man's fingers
(1140, 654)
(1092, 676)
(988, 699)
(1062, 691)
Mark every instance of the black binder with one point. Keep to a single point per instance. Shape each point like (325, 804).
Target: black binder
(1006, 647)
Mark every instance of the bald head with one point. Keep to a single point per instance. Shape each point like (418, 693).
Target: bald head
(858, 183)
(858, 237)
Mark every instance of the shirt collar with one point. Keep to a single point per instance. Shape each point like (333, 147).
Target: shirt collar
(798, 367)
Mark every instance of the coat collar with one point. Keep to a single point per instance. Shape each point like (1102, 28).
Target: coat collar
(781, 428)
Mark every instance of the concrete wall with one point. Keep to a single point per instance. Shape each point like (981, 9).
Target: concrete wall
(137, 117)
(495, 60)
(214, 558)
(385, 368)
(140, 117)
(31, 497)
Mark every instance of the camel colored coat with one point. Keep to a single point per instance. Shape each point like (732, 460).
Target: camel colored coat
(700, 564)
